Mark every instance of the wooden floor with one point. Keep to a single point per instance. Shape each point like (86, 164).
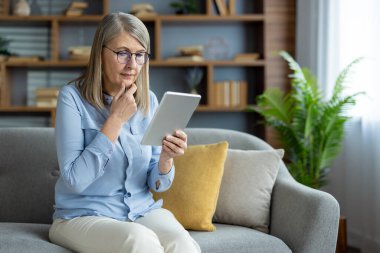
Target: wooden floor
(352, 250)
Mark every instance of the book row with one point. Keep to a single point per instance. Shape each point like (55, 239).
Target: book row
(229, 93)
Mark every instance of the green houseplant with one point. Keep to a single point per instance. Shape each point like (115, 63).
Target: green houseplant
(185, 7)
(310, 127)
(4, 46)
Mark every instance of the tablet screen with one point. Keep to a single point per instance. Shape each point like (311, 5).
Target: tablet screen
(173, 113)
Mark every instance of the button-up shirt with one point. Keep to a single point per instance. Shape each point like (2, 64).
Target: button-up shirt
(98, 177)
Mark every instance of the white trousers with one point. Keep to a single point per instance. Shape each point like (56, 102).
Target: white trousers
(157, 231)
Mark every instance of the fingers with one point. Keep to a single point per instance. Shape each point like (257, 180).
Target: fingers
(124, 104)
(178, 139)
(131, 90)
(121, 91)
(175, 144)
(181, 134)
(172, 149)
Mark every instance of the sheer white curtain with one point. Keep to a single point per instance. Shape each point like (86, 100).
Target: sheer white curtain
(348, 29)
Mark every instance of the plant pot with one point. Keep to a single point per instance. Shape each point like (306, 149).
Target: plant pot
(341, 245)
(21, 8)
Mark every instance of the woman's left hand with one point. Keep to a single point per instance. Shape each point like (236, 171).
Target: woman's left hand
(172, 146)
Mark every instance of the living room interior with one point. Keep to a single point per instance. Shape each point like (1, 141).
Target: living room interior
(242, 57)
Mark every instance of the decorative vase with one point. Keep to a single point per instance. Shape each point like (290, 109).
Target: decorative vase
(21, 8)
(193, 77)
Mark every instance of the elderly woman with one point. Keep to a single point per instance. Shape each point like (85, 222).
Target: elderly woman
(103, 201)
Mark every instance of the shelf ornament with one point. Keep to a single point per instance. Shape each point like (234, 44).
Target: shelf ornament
(21, 8)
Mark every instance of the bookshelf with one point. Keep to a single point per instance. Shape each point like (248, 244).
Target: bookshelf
(269, 26)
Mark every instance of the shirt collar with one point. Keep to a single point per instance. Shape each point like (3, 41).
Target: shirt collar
(107, 99)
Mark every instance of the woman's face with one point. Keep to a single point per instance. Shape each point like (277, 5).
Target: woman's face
(116, 73)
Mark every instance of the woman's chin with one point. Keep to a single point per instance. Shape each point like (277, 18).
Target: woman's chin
(127, 81)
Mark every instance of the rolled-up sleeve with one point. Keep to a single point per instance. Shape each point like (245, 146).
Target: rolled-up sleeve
(157, 181)
(80, 165)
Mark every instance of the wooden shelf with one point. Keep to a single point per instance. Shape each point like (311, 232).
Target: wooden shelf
(164, 63)
(157, 63)
(206, 108)
(92, 18)
(163, 18)
(50, 64)
(50, 111)
(26, 109)
(267, 27)
(206, 18)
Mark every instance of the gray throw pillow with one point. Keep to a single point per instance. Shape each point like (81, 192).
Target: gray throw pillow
(247, 183)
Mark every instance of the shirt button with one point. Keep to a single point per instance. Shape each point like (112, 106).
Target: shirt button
(129, 194)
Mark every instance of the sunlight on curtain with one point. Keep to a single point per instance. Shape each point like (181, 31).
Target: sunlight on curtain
(359, 35)
(355, 178)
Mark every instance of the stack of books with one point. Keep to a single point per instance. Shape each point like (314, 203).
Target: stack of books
(79, 52)
(224, 9)
(246, 57)
(230, 93)
(143, 10)
(46, 97)
(76, 8)
(24, 58)
(188, 53)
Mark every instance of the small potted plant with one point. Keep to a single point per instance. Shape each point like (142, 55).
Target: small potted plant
(310, 127)
(4, 52)
(185, 7)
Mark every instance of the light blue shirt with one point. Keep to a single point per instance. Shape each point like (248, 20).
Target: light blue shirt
(98, 177)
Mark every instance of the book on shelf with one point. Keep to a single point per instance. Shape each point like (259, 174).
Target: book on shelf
(143, 10)
(79, 52)
(78, 5)
(231, 7)
(246, 57)
(190, 50)
(221, 7)
(142, 7)
(80, 49)
(76, 8)
(46, 102)
(24, 58)
(229, 93)
(145, 14)
(73, 12)
(46, 96)
(47, 92)
(196, 58)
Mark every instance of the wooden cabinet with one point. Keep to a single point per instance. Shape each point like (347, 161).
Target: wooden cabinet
(53, 23)
(266, 26)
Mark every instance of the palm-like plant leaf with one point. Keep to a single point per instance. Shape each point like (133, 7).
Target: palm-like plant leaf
(310, 128)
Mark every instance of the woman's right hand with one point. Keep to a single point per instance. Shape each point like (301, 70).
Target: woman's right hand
(122, 109)
(123, 104)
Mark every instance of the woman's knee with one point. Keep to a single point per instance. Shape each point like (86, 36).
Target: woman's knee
(138, 238)
(181, 243)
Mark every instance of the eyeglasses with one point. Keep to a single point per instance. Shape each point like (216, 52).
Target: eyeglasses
(125, 56)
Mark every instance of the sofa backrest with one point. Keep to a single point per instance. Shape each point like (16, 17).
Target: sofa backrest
(28, 172)
(235, 139)
(29, 168)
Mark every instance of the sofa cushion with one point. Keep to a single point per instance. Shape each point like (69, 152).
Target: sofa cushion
(246, 190)
(27, 237)
(29, 170)
(194, 193)
(236, 239)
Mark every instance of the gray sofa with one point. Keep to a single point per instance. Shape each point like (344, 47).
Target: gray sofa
(302, 220)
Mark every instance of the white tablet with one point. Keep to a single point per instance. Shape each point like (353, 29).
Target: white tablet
(173, 113)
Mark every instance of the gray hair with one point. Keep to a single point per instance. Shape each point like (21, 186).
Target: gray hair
(90, 83)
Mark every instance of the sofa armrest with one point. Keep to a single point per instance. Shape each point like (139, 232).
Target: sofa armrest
(304, 218)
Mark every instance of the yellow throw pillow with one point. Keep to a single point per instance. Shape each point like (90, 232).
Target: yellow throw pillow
(193, 196)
